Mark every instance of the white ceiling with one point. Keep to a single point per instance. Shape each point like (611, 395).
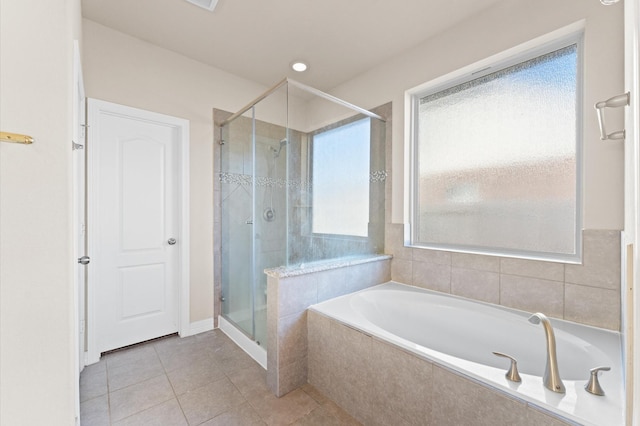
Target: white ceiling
(258, 39)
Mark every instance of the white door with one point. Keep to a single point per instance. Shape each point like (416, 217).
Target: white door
(135, 204)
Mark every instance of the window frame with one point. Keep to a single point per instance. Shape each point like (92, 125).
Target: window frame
(543, 45)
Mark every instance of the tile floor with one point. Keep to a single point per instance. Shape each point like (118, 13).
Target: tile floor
(199, 380)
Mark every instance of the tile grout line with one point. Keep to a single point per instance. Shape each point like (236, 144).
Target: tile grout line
(152, 345)
(246, 401)
(170, 384)
(106, 370)
(211, 356)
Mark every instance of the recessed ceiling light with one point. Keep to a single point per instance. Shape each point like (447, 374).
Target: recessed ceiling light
(299, 66)
(205, 4)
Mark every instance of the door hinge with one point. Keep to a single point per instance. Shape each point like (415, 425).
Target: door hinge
(75, 146)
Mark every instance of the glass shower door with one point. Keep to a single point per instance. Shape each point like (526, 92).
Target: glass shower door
(237, 207)
(253, 163)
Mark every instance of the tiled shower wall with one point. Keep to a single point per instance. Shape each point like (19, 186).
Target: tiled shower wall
(588, 293)
(272, 245)
(303, 244)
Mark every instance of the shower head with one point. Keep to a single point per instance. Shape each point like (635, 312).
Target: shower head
(283, 142)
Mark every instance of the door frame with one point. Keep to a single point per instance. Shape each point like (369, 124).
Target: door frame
(79, 207)
(631, 236)
(94, 108)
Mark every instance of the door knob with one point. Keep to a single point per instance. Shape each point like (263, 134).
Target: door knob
(171, 241)
(84, 260)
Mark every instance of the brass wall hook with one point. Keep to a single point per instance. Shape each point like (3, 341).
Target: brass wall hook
(15, 138)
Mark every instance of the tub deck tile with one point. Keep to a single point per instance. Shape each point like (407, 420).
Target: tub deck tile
(535, 417)
(402, 386)
(458, 401)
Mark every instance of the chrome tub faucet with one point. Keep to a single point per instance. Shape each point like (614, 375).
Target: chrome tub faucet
(551, 378)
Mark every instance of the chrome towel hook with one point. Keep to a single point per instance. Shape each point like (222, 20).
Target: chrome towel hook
(615, 102)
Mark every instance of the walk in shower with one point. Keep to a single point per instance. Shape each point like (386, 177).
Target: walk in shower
(299, 179)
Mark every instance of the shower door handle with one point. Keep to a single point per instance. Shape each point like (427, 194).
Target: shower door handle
(171, 241)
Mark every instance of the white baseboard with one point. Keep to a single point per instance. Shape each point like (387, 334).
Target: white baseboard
(199, 327)
(88, 359)
(255, 351)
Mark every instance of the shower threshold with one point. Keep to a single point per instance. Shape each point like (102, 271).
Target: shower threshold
(255, 351)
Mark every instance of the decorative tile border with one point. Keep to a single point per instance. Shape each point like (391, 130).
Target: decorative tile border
(247, 180)
(378, 176)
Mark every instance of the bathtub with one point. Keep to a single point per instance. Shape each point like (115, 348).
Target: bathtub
(460, 334)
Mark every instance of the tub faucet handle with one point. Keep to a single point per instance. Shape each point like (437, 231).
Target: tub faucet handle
(593, 386)
(512, 374)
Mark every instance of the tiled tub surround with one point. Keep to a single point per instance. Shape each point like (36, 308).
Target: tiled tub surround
(290, 291)
(587, 293)
(395, 354)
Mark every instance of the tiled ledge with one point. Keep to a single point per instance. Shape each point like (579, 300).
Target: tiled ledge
(290, 292)
(323, 265)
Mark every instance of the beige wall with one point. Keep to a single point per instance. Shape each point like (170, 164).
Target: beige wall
(36, 297)
(588, 293)
(37, 356)
(499, 28)
(129, 71)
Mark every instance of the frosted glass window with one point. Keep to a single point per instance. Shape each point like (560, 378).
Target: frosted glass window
(341, 180)
(496, 160)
